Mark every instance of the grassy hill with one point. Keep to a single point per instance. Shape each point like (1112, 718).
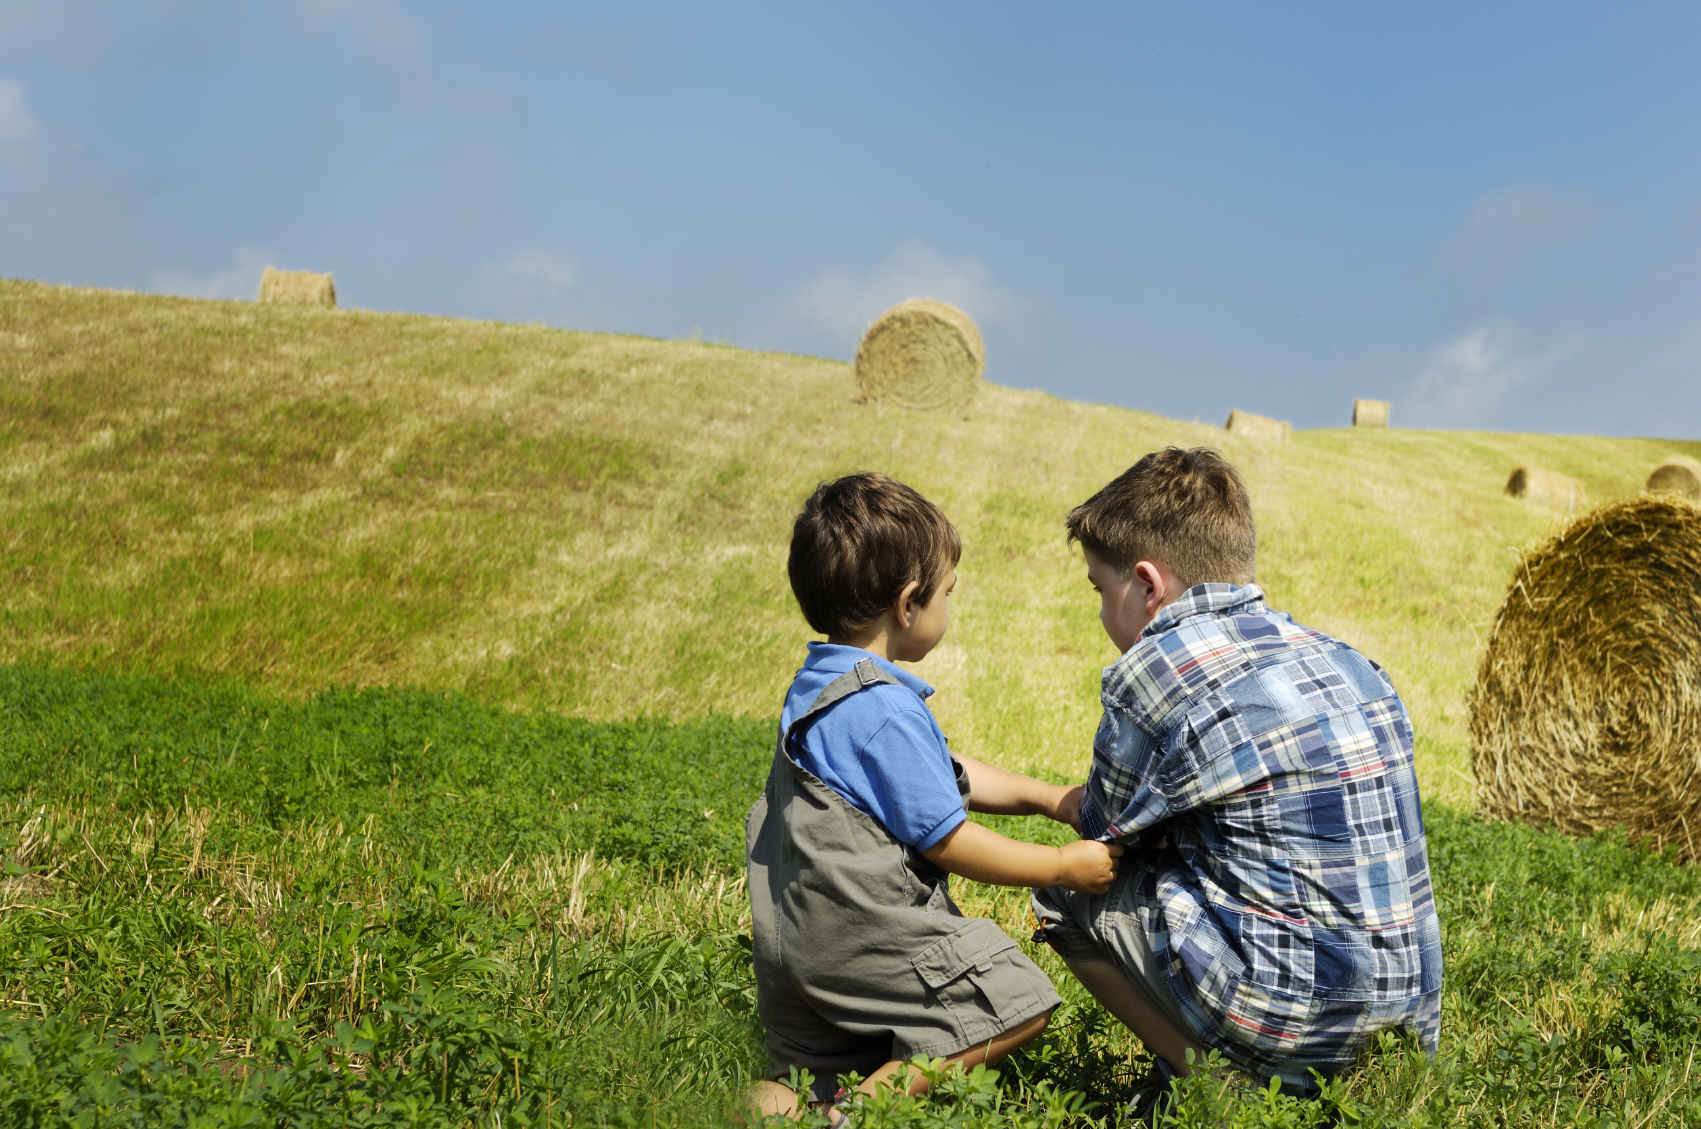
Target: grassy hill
(233, 895)
(596, 524)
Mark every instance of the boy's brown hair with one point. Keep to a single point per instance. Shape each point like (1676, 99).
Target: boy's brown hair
(1184, 508)
(858, 541)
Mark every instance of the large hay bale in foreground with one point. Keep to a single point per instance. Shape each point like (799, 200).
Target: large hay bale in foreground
(1679, 474)
(1587, 708)
(1539, 486)
(1370, 413)
(1256, 426)
(298, 288)
(921, 354)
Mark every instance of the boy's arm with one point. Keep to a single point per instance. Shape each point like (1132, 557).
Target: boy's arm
(983, 855)
(996, 792)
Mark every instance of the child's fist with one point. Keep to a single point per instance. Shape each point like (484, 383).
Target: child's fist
(1089, 866)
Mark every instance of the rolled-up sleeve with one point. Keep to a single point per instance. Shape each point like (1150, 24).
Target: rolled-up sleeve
(912, 784)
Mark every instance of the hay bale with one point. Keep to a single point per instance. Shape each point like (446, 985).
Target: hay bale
(921, 354)
(298, 288)
(1257, 427)
(1587, 708)
(1538, 486)
(1679, 474)
(1370, 413)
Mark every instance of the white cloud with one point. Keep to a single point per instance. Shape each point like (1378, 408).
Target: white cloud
(843, 302)
(602, 44)
(16, 121)
(381, 25)
(530, 285)
(534, 270)
(239, 281)
(68, 216)
(69, 33)
(1466, 379)
(1519, 226)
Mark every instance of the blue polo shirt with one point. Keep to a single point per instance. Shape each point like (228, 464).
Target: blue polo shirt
(879, 748)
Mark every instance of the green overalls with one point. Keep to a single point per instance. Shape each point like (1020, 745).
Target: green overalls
(861, 955)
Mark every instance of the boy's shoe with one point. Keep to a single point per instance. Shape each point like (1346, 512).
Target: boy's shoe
(1147, 1107)
(1309, 1091)
(1152, 1101)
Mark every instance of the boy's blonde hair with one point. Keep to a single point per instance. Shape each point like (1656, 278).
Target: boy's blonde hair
(1184, 508)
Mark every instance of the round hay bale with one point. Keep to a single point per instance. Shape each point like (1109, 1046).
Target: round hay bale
(1539, 486)
(1587, 707)
(1679, 474)
(921, 354)
(298, 288)
(1257, 427)
(1370, 413)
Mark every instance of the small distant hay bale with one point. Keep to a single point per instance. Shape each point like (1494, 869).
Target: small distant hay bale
(1538, 486)
(1586, 712)
(298, 288)
(1370, 413)
(1257, 427)
(921, 354)
(1679, 474)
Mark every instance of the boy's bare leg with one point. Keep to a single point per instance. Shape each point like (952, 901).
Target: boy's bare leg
(989, 1052)
(1109, 987)
(769, 1098)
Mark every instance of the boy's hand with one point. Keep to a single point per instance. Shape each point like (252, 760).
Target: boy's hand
(981, 854)
(1067, 806)
(1089, 866)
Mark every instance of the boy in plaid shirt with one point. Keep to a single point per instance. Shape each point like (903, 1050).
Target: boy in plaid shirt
(1274, 902)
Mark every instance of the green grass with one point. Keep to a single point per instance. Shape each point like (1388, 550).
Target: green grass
(454, 782)
(229, 904)
(380, 698)
(596, 525)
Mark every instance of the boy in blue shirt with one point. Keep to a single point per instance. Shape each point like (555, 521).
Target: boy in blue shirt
(862, 960)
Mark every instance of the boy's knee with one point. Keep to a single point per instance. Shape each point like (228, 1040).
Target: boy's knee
(1029, 1029)
(770, 1099)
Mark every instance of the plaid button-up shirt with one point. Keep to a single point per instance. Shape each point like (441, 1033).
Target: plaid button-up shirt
(1261, 776)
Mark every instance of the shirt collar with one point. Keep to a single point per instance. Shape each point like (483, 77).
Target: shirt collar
(1203, 599)
(837, 658)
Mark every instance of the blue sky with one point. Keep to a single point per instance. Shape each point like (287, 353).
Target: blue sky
(1489, 214)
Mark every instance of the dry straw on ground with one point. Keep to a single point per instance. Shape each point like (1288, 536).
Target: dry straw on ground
(1257, 427)
(921, 354)
(1370, 413)
(1587, 708)
(1679, 474)
(1539, 486)
(297, 288)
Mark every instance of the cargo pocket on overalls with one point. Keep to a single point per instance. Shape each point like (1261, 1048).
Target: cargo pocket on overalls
(971, 974)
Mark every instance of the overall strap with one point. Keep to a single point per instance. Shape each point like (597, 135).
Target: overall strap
(861, 676)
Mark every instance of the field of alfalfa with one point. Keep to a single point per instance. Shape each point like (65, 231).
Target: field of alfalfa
(380, 698)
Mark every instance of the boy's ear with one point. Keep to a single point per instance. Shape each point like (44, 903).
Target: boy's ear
(1151, 578)
(903, 608)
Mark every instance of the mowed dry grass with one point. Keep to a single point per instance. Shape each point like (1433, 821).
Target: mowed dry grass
(597, 524)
